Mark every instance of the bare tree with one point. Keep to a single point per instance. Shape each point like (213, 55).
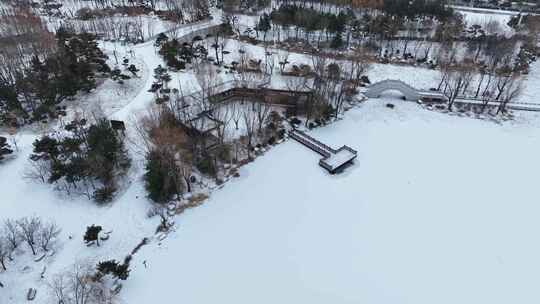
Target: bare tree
(4, 252)
(48, 233)
(223, 116)
(250, 122)
(298, 85)
(11, 234)
(29, 231)
(283, 60)
(79, 286)
(236, 113)
(512, 90)
(37, 171)
(245, 77)
(208, 80)
(360, 64)
(59, 289)
(262, 109)
(455, 79)
(158, 131)
(493, 27)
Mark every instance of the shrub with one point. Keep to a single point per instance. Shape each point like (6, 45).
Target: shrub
(206, 166)
(281, 133)
(223, 153)
(112, 267)
(104, 194)
(295, 121)
(92, 234)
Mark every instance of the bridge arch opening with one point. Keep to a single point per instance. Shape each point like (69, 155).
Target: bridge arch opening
(392, 94)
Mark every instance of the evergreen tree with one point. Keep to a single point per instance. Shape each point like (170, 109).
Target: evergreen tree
(264, 25)
(161, 38)
(112, 267)
(38, 89)
(337, 41)
(88, 158)
(4, 148)
(162, 179)
(92, 234)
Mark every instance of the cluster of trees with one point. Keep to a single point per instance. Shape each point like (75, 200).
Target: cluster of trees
(498, 78)
(87, 159)
(134, 29)
(181, 11)
(335, 25)
(33, 92)
(89, 284)
(177, 134)
(169, 154)
(417, 9)
(39, 236)
(243, 5)
(161, 84)
(177, 152)
(331, 83)
(530, 23)
(177, 55)
(491, 69)
(311, 20)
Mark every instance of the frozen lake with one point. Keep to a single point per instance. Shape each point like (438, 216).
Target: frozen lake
(436, 209)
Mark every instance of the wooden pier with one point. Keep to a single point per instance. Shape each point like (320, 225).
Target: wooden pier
(333, 160)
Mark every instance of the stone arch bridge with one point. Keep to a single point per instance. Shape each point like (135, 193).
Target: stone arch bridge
(375, 90)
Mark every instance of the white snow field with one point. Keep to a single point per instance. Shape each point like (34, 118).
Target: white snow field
(437, 209)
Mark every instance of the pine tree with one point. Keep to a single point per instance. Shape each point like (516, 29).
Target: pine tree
(264, 25)
(4, 148)
(112, 267)
(161, 180)
(107, 267)
(161, 38)
(337, 42)
(92, 234)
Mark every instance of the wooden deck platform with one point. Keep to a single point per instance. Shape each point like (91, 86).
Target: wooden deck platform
(333, 160)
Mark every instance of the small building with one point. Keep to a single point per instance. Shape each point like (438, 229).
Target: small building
(118, 125)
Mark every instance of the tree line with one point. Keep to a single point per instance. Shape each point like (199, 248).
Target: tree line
(34, 91)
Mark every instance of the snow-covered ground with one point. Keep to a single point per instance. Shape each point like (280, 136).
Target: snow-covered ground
(437, 209)
(487, 11)
(126, 217)
(472, 18)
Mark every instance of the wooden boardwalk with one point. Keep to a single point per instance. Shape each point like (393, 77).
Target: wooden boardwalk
(333, 160)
